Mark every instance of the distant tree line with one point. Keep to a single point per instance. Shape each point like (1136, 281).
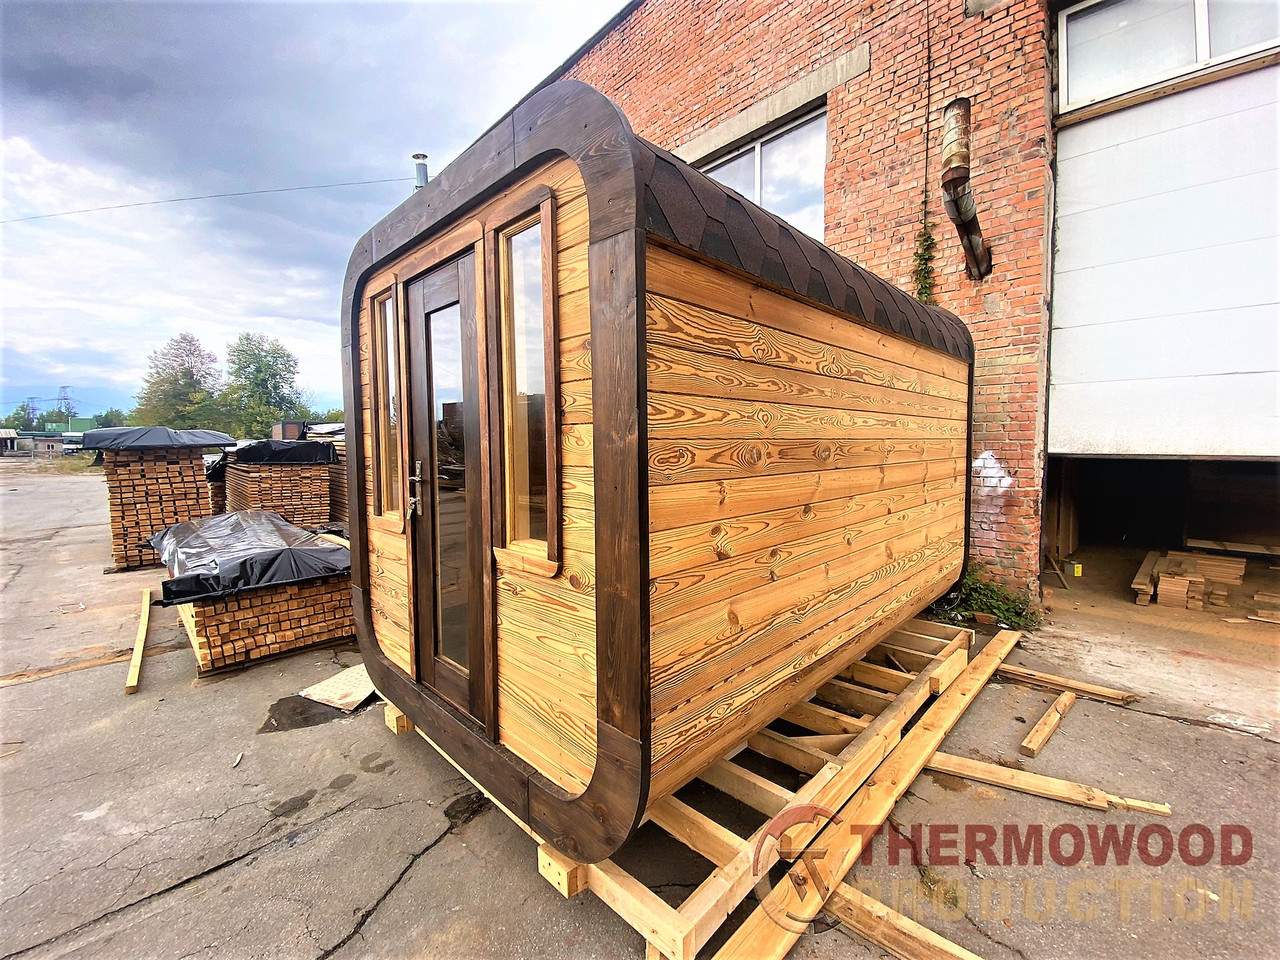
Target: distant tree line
(183, 388)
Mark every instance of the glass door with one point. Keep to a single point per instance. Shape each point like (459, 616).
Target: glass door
(445, 483)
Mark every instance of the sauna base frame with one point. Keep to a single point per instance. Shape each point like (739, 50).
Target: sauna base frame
(940, 654)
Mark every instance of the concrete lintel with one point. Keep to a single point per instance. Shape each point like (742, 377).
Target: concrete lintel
(808, 89)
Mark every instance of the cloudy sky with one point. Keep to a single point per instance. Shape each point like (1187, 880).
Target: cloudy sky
(116, 103)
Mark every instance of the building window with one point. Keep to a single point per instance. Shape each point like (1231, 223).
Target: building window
(386, 405)
(783, 171)
(1109, 47)
(528, 384)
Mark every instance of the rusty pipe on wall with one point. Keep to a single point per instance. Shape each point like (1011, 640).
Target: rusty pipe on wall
(957, 195)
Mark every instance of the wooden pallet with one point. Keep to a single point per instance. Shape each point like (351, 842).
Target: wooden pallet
(834, 751)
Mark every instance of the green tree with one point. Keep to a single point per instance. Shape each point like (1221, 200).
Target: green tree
(23, 417)
(59, 415)
(180, 387)
(261, 385)
(332, 415)
(111, 417)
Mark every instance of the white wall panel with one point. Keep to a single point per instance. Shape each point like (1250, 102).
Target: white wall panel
(1166, 301)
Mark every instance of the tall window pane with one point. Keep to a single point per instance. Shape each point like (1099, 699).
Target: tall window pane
(1238, 24)
(792, 170)
(388, 380)
(738, 174)
(526, 401)
(445, 330)
(1123, 44)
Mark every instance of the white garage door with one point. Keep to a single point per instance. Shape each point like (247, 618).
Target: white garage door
(1166, 300)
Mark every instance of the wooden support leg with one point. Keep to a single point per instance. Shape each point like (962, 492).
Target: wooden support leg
(567, 876)
(397, 722)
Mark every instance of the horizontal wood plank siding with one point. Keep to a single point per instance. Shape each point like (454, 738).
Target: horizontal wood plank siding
(806, 493)
(546, 645)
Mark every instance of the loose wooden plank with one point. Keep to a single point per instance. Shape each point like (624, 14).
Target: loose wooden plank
(135, 662)
(1140, 806)
(824, 720)
(884, 678)
(787, 750)
(886, 928)
(1048, 681)
(1046, 725)
(1227, 546)
(1022, 781)
(760, 937)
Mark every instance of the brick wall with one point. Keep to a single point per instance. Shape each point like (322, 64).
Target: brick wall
(678, 67)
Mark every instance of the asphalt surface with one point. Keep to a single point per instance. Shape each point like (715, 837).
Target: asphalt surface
(227, 818)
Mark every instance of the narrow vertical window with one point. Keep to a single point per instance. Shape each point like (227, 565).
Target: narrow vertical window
(386, 359)
(530, 422)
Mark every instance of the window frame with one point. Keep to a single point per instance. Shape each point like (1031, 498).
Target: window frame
(387, 520)
(1203, 61)
(520, 212)
(755, 142)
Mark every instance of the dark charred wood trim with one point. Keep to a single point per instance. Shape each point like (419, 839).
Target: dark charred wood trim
(571, 120)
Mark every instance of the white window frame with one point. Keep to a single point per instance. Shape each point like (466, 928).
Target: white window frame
(1202, 61)
(756, 142)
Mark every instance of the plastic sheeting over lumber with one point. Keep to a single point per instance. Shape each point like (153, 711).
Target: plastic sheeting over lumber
(152, 438)
(222, 555)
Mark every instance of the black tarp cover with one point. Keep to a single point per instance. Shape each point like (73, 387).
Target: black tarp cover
(285, 451)
(152, 438)
(222, 555)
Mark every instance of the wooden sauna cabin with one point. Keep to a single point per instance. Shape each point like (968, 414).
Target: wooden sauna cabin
(635, 465)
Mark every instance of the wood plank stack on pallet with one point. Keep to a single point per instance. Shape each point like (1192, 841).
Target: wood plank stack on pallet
(854, 763)
(246, 626)
(299, 492)
(149, 490)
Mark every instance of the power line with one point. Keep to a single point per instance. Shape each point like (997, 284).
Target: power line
(207, 196)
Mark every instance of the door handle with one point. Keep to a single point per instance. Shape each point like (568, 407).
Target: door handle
(415, 501)
(417, 472)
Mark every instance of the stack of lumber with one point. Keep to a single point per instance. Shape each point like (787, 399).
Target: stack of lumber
(299, 492)
(217, 497)
(1219, 569)
(856, 745)
(338, 484)
(148, 491)
(1186, 580)
(246, 626)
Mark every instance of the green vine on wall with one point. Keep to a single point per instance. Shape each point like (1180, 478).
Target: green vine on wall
(922, 273)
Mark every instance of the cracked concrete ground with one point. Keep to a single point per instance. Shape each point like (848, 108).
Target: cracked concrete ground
(128, 830)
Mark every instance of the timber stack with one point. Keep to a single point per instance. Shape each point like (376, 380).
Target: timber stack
(288, 477)
(334, 434)
(249, 585)
(154, 479)
(226, 631)
(1186, 580)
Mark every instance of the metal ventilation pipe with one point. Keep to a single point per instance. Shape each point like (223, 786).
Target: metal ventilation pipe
(957, 197)
(419, 170)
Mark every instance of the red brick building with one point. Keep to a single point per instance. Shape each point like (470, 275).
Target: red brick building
(679, 68)
(867, 81)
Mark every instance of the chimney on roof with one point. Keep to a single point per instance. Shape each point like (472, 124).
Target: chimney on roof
(419, 170)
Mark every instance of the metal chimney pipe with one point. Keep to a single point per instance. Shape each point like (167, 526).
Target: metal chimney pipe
(419, 170)
(957, 196)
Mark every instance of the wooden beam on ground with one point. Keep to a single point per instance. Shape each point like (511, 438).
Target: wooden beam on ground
(1140, 806)
(697, 831)
(874, 675)
(135, 662)
(1046, 725)
(831, 743)
(759, 793)
(820, 719)
(890, 930)
(775, 746)
(1021, 780)
(653, 918)
(760, 937)
(853, 697)
(1048, 681)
